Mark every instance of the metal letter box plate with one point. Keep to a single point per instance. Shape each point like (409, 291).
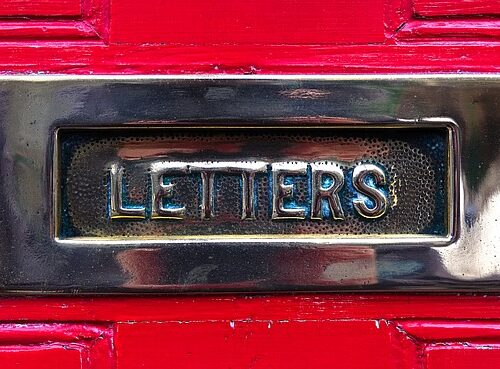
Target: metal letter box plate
(220, 183)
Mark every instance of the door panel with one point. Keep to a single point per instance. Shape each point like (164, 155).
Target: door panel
(240, 22)
(259, 37)
(439, 8)
(40, 8)
(238, 37)
(256, 344)
(308, 343)
(54, 345)
(39, 22)
(303, 331)
(460, 356)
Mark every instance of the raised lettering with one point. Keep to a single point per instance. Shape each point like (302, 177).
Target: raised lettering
(330, 193)
(360, 175)
(117, 208)
(247, 170)
(282, 191)
(160, 190)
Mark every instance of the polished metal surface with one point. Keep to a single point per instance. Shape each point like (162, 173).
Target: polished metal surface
(177, 184)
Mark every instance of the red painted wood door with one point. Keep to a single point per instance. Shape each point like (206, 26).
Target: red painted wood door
(250, 37)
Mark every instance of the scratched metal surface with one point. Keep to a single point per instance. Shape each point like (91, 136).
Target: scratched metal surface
(34, 259)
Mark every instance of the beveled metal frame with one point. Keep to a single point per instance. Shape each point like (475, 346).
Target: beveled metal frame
(453, 186)
(34, 108)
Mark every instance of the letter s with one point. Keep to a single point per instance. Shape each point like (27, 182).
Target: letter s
(360, 174)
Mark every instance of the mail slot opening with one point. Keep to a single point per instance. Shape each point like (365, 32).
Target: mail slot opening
(327, 183)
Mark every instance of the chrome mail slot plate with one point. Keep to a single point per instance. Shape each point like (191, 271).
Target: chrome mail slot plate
(387, 184)
(170, 184)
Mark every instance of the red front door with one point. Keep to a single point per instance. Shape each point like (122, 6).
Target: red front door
(340, 330)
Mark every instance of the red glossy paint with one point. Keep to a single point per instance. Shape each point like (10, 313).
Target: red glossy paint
(456, 30)
(252, 59)
(247, 22)
(399, 331)
(273, 37)
(266, 307)
(32, 23)
(40, 8)
(462, 356)
(256, 344)
(44, 357)
(48, 346)
(43, 30)
(388, 331)
(437, 8)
